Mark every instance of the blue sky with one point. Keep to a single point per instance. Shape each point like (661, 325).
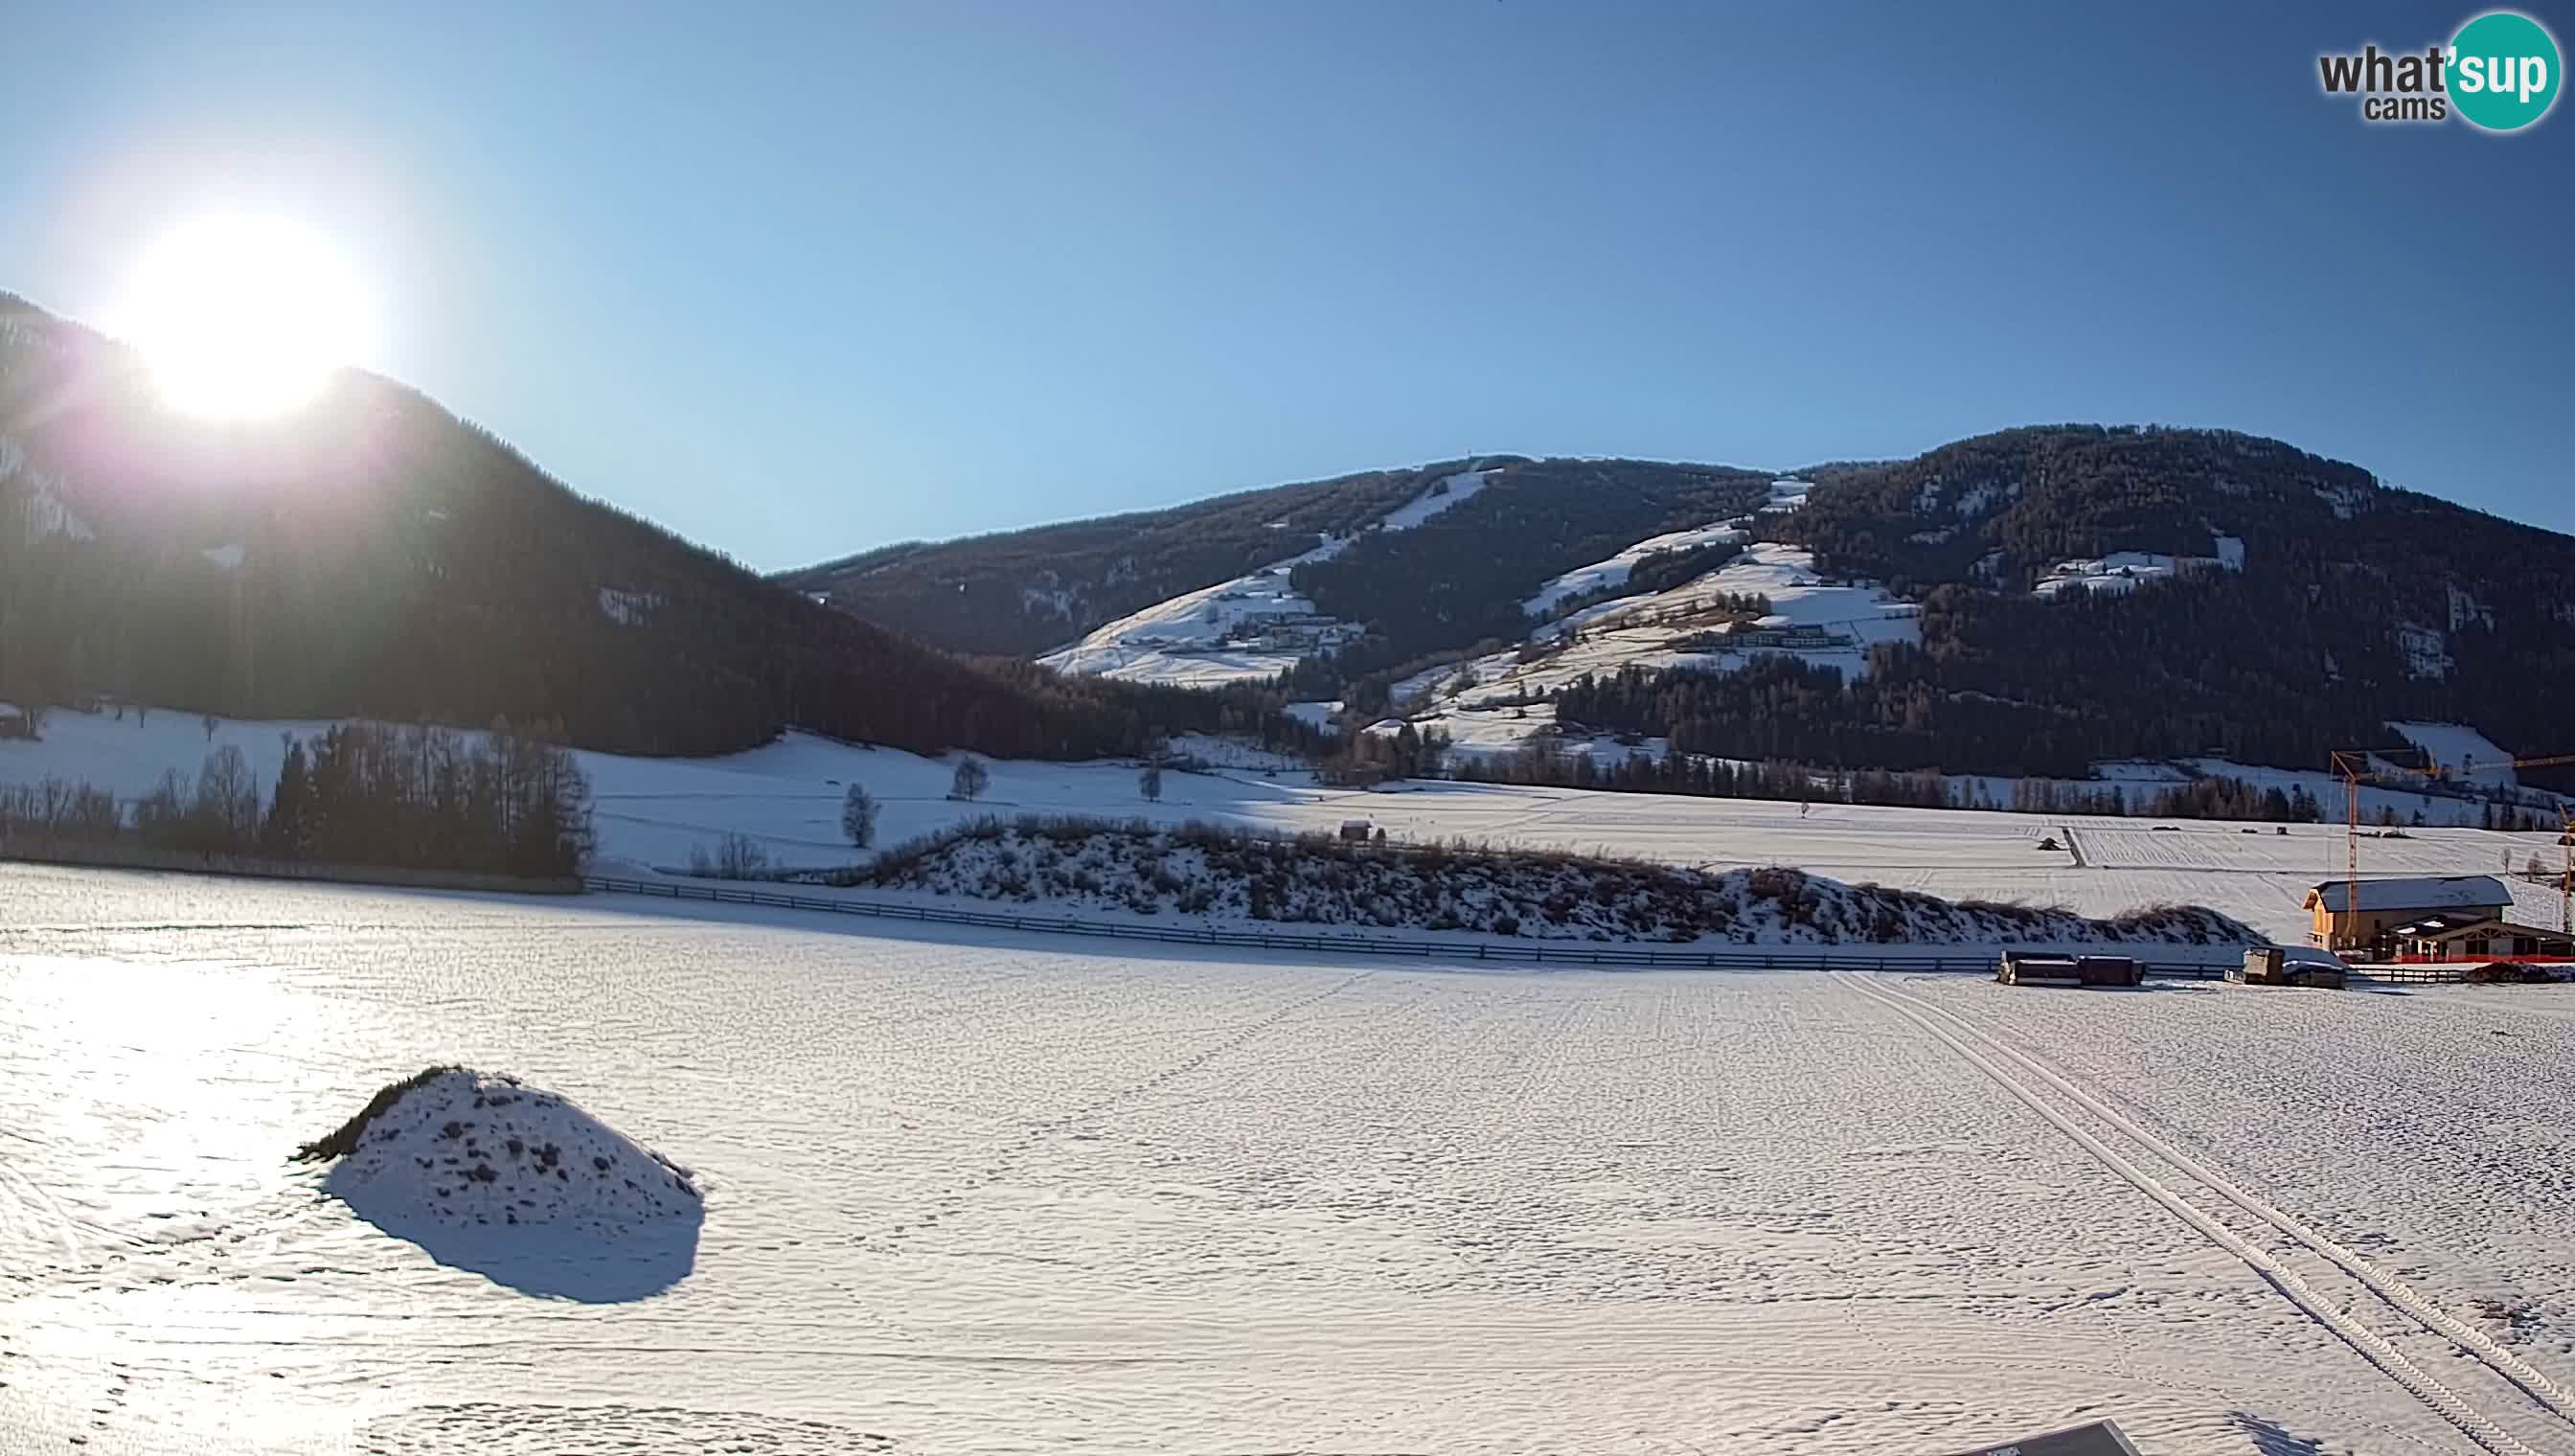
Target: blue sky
(827, 276)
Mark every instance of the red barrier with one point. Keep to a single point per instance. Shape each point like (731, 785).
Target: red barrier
(2479, 960)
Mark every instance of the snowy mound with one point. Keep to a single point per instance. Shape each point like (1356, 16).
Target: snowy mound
(518, 1183)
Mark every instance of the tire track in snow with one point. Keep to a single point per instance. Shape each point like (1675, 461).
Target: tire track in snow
(2471, 1421)
(37, 1214)
(2534, 1382)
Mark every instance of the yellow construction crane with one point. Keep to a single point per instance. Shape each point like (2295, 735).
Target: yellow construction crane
(2353, 766)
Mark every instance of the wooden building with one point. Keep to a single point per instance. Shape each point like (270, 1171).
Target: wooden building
(2385, 904)
(2460, 937)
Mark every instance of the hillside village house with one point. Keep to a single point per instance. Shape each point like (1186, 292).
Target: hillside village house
(2389, 904)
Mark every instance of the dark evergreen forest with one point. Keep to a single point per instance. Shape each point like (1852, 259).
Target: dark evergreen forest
(374, 555)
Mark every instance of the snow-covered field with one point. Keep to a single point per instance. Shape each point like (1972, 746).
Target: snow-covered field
(652, 811)
(968, 1193)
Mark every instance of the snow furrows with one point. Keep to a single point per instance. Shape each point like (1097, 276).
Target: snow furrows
(2160, 1168)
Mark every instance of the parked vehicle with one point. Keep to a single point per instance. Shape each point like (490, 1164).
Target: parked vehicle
(2290, 966)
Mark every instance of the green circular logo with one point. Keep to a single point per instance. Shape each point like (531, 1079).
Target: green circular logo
(2503, 71)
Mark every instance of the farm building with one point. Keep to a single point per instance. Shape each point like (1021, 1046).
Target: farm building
(2386, 904)
(2457, 935)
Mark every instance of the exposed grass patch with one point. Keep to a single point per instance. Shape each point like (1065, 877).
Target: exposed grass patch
(343, 1142)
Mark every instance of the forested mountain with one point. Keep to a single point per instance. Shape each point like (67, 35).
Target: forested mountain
(2084, 593)
(1023, 591)
(1459, 579)
(372, 553)
(1455, 579)
(2308, 604)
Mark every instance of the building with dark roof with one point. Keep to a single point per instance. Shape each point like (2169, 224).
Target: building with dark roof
(2385, 904)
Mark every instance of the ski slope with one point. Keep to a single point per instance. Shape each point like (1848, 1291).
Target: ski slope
(1251, 628)
(1814, 619)
(1614, 571)
(2462, 753)
(971, 1194)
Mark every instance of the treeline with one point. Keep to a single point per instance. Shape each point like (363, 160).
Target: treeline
(1364, 758)
(2215, 796)
(2233, 798)
(374, 557)
(362, 794)
(1783, 708)
(1545, 761)
(1664, 570)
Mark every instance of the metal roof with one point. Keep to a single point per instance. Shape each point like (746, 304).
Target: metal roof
(2419, 892)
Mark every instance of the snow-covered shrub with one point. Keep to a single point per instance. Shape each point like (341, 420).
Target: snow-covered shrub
(1232, 874)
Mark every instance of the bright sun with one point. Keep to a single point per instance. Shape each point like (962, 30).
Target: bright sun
(241, 315)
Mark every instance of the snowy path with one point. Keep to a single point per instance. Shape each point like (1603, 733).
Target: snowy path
(975, 1193)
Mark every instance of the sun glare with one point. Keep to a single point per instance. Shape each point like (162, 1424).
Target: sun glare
(242, 316)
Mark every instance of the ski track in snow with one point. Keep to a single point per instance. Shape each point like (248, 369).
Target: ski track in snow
(2011, 1069)
(972, 1192)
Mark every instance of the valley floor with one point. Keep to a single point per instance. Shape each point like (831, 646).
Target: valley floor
(787, 796)
(973, 1193)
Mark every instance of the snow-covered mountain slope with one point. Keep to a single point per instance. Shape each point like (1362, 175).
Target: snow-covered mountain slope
(1787, 494)
(2121, 571)
(41, 509)
(1258, 626)
(371, 552)
(2274, 598)
(1700, 625)
(1602, 575)
(1250, 628)
(2462, 753)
